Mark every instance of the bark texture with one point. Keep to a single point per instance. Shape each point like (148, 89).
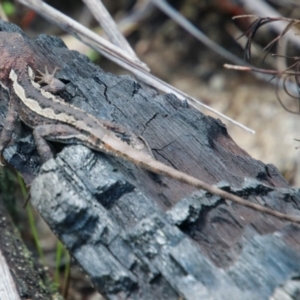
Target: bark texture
(21, 276)
(142, 236)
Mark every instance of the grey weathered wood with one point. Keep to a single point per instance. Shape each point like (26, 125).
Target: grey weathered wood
(21, 276)
(7, 285)
(142, 236)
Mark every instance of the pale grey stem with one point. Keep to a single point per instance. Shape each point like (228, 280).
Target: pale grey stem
(8, 288)
(113, 53)
(3, 14)
(105, 47)
(109, 26)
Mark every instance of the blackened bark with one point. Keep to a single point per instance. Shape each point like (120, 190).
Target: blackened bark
(142, 236)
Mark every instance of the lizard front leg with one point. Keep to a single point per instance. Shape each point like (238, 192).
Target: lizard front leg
(54, 132)
(53, 85)
(8, 128)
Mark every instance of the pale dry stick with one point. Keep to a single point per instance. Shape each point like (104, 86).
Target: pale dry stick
(126, 25)
(73, 123)
(87, 36)
(106, 48)
(94, 134)
(101, 139)
(109, 26)
(3, 15)
(8, 289)
(115, 54)
(282, 79)
(183, 22)
(258, 70)
(225, 195)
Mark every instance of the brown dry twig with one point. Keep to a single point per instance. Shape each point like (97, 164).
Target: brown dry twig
(117, 55)
(283, 77)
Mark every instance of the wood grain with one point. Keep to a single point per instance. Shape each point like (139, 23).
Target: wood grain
(142, 236)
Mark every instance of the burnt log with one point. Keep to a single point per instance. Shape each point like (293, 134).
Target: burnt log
(139, 235)
(21, 275)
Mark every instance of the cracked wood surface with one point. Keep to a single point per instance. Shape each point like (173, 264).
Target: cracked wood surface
(142, 236)
(21, 276)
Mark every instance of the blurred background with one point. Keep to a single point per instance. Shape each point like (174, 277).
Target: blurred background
(178, 58)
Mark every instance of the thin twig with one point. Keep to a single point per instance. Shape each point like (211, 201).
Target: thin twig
(281, 76)
(188, 26)
(258, 70)
(3, 15)
(115, 54)
(109, 26)
(183, 22)
(216, 191)
(87, 36)
(261, 8)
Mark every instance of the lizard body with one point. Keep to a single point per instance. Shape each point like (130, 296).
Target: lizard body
(55, 120)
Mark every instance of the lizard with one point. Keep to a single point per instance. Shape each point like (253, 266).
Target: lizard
(52, 119)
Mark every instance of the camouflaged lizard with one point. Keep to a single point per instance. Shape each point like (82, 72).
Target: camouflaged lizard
(52, 119)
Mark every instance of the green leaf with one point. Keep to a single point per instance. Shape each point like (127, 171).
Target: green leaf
(8, 8)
